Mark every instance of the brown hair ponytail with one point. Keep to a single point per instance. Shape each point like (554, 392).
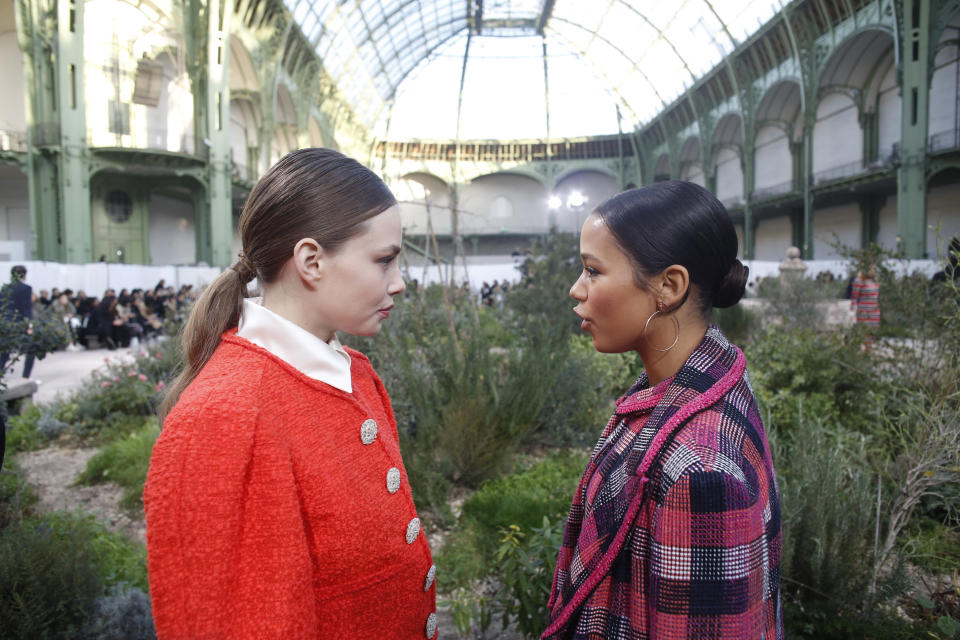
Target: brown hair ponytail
(310, 193)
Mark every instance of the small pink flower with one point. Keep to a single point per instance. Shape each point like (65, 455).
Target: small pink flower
(159, 356)
(104, 384)
(107, 360)
(131, 374)
(116, 378)
(160, 386)
(142, 377)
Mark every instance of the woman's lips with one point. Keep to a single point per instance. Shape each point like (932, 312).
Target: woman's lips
(385, 313)
(584, 322)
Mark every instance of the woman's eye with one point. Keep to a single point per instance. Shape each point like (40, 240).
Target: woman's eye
(590, 271)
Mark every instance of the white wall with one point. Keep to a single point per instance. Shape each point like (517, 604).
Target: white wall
(503, 202)
(12, 106)
(772, 162)
(943, 91)
(14, 207)
(772, 239)
(837, 137)
(729, 175)
(595, 186)
(95, 277)
(692, 172)
(943, 217)
(888, 112)
(844, 221)
(172, 230)
(887, 232)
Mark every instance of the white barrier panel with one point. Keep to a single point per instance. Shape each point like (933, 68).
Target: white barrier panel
(96, 277)
(841, 268)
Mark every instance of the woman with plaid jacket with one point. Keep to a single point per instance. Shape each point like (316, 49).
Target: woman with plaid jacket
(674, 531)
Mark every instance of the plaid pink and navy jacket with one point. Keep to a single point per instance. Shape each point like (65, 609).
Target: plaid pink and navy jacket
(674, 531)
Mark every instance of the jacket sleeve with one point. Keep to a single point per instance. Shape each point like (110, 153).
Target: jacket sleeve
(707, 569)
(228, 555)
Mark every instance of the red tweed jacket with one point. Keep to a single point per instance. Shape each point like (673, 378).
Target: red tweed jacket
(278, 507)
(674, 531)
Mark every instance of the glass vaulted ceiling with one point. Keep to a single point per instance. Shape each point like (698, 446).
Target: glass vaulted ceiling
(609, 63)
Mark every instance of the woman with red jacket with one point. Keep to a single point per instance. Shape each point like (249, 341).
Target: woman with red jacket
(674, 530)
(277, 503)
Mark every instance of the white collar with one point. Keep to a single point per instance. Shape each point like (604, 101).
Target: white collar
(324, 361)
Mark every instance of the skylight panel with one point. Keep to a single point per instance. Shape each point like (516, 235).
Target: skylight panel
(744, 18)
(578, 12)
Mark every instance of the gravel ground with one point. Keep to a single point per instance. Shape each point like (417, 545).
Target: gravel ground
(52, 472)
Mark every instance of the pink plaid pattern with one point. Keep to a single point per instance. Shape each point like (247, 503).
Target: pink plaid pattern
(674, 531)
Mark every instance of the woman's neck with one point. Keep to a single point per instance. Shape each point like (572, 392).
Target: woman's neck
(661, 365)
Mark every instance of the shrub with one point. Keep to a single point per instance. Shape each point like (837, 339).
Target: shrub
(53, 569)
(520, 500)
(16, 496)
(463, 403)
(800, 372)
(116, 400)
(49, 579)
(523, 499)
(737, 323)
(526, 566)
(123, 613)
(22, 432)
(125, 462)
(582, 398)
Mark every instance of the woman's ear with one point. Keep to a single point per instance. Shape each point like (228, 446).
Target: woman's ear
(676, 283)
(308, 260)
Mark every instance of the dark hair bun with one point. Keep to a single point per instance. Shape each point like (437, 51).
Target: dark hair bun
(731, 286)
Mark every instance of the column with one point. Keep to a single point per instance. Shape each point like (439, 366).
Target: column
(914, 124)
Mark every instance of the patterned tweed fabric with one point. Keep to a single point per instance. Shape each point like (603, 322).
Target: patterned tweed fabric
(674, 531)
(865, 294)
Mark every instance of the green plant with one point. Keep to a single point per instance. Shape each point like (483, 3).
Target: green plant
(522, 500)
(116, 400)
(125, 462)
(526, 565)
(22, 432)
(50, 576)
(53, 569)
(737, 323)
(800, 372)
(469, 608)
(463, 404)
(123, 613)
(583, 394)
(16, 496)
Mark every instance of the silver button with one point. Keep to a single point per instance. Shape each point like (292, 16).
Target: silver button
(413, 530)
(431, 574)
(431, 625)
(368, 431)
(393, 479)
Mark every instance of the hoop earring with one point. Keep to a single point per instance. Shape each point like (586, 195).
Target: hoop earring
(676, 323)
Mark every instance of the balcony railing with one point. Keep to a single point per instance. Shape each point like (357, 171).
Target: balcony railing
(13, 140)
(772, 191)
(944, 140)
(732, 202)
(143, 137)
(839, 172)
